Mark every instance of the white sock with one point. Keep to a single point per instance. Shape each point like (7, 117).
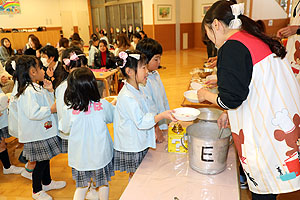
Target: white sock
(80, 193)
(103, 192)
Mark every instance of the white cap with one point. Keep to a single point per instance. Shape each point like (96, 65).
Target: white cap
(283, 121)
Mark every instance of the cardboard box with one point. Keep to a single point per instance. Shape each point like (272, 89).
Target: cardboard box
(174, 141)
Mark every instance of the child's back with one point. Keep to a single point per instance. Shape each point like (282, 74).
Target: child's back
(90, 144)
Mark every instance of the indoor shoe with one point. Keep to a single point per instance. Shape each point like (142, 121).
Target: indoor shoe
(54, 185)
(243, 181)
(41, 195)
(13, 170)
(92, 194)
(26, 174)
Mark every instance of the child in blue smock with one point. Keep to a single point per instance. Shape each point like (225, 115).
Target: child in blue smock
(10, 67)
(72, 58)
(8, 168)
(90, 150)
(134, 121)
(154, 87)
(37, 126)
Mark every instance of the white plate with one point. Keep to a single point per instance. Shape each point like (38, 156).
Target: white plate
(211, 77)
(196, 86)
(191, 96)
(186, 114)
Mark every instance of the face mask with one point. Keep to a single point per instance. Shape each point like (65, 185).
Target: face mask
(44, 61)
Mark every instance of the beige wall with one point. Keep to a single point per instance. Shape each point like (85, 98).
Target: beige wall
(34, 13)
(267, 9)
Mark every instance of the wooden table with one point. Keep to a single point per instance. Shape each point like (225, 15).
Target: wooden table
(164, 175)
(103, 76)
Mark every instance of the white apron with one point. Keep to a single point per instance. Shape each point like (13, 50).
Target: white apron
(265, 127)
(293, 43)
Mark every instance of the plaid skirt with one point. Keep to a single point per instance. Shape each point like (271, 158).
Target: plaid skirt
(42, 149)
(99, 176)
(64, 145)
(128, 161)
(4, 133)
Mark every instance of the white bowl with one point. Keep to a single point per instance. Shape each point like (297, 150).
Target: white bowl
(196, 86)
(186, 114)
(191, 95)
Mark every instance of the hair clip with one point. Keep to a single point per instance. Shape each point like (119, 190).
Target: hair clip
(13, 65)
(136, 56)
(73, 57)
(237, 10)
(123, 55)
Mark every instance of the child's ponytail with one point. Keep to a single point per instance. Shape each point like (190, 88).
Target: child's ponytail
(10, 66)
(73, 57)
(23, 64)
(130, 59)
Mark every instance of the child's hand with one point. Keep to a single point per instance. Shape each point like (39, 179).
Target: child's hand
(168, 115)
(48, 85)
(53, 108)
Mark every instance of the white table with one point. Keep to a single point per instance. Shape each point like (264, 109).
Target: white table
(164, 176)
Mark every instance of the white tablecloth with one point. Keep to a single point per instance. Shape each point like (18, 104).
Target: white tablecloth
(164, 176)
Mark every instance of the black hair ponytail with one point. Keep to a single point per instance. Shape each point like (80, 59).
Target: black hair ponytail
(131, 62)
(221, 10)
(9, 66)
(23, 64)
(253, 28)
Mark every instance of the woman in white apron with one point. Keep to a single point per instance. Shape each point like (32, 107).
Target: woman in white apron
(261, 95)
(293, 44)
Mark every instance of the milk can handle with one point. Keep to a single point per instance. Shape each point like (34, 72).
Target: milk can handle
(182, 143)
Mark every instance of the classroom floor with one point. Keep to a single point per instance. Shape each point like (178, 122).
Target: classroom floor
(175, 77)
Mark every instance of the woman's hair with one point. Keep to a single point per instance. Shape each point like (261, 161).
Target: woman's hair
(81, 90)
(261, 25)
(103, 32)
(9, 68)
(23, 65)
(131, 62)
(137, 35)
(50, 51)
(9, 49)
(104, 43)
(145, 35)
(149, 47)
(123, 41)
(66, 55)
(63, 42)
(76, 43)
(76, 36)
(221, 10)
(36, 42)
(94, 38)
